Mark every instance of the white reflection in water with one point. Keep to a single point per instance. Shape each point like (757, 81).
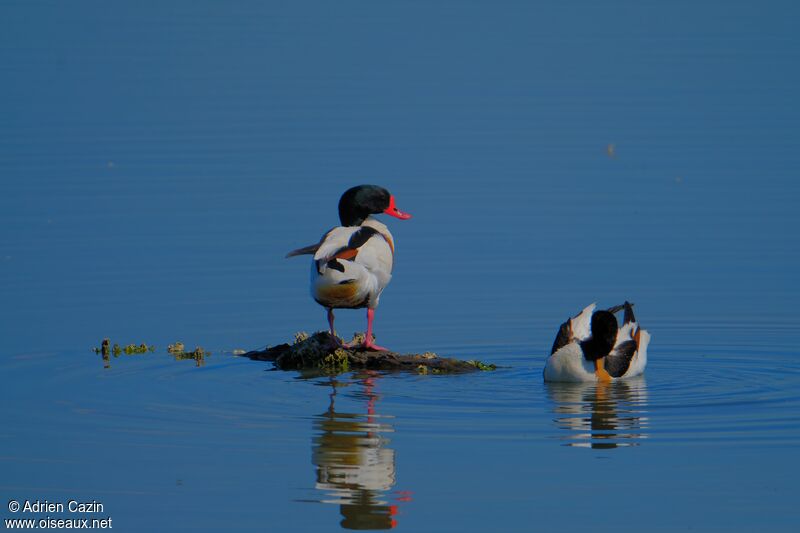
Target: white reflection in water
(599, 415)
(354, 465)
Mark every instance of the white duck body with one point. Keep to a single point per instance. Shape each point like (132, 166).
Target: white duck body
(353, 265)
(568, 364)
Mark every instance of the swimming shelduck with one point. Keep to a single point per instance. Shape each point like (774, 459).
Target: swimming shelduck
(593, 347)
(353, 262)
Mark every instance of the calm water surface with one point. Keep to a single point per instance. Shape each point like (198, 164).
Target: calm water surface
(157, 162)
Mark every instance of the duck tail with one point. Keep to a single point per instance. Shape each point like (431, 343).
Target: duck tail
(628, 307)
(305, 250)
(616, 309)
(628, 317)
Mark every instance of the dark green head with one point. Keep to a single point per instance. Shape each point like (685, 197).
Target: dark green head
(604, 335)
(357, 203)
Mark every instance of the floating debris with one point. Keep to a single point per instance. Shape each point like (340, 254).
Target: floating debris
(178, 347)
(107, 349)
(320, 352)
(140, 348)
(198, 354)
(177, 350)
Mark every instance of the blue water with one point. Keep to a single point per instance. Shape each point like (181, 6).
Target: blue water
(158, 161)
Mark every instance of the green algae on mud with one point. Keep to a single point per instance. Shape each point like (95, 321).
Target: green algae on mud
(318, 352)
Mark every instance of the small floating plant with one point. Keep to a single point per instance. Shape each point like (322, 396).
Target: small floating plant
(177, 350)
(106, 348)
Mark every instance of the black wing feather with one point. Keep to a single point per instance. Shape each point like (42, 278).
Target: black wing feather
(311, 249)
(628, 313)
(358, 239)
(619, 360)
(628, 307)
(563, 338)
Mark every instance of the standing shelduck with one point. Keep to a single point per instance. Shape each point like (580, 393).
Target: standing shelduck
(353, 262)
(593, 347)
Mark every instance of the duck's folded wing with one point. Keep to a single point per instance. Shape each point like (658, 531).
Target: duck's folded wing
(563, 337)
(619, 360)
(344, 242)
(576, 328)
(582, 323)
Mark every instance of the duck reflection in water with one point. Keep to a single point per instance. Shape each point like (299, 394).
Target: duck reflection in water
(354, 466)
(601, 415)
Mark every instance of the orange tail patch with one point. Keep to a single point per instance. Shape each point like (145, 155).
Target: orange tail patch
(345, 291)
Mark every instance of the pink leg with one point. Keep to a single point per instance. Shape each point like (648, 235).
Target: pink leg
(334, 339)
(368, 343)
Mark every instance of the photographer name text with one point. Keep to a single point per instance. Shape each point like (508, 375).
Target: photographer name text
(72, 506)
